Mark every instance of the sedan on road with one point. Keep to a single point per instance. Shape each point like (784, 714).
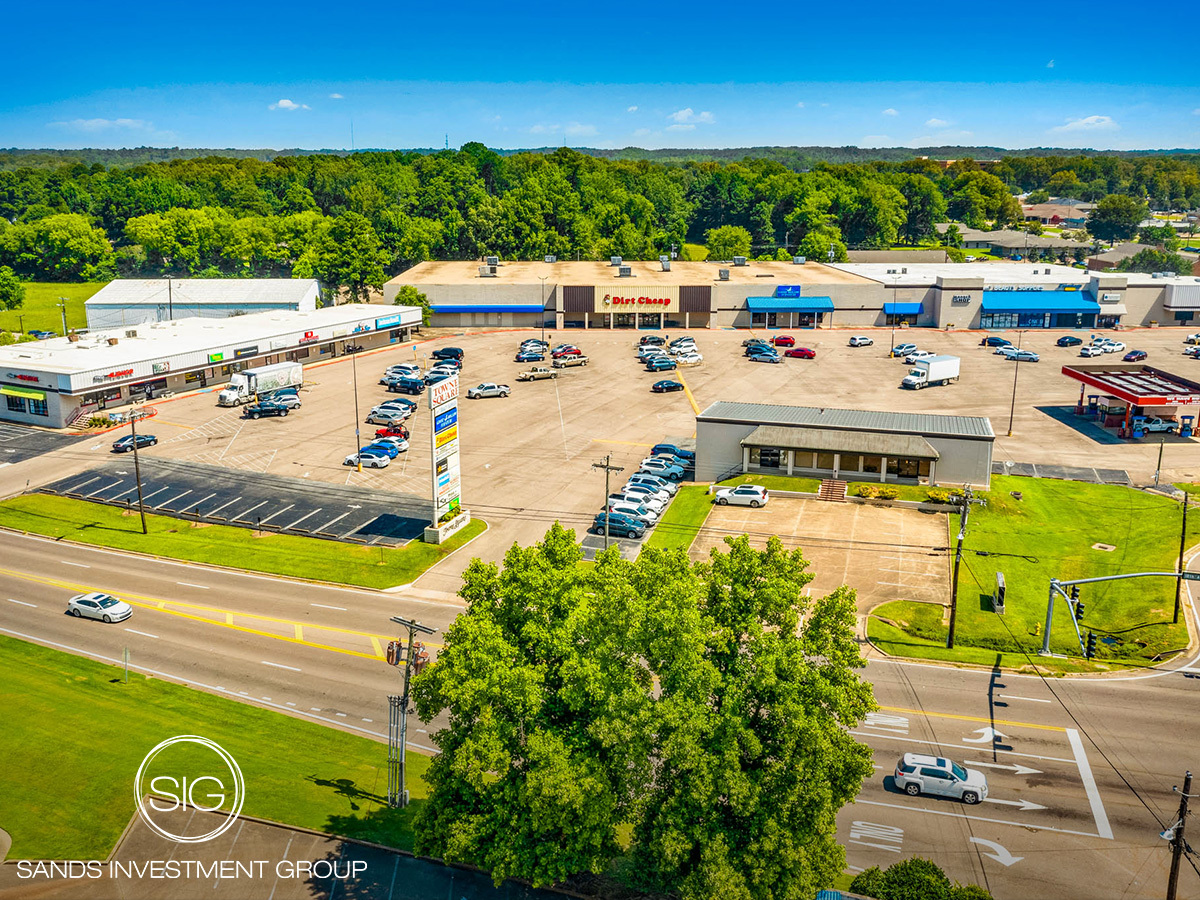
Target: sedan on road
(104, 607)
(665, 387)
(742, 495)
(369, 460)
(801, 353)
(917, 773)
(125, 444)
(861, 340)
(765, 357)
(784, 340)
(1134, 356)
(488, 389)
(1069, 340)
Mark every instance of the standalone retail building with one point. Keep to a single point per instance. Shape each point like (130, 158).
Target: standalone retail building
(848, 444)
(139, 301)
(56, 381)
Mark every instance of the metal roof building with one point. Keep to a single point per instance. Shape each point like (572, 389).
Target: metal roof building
(138, 301)
(846, 444)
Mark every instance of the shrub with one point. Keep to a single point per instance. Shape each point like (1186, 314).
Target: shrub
(888, 493)
(867, 491)
(939, 495)
(868, 882)
(915, 879)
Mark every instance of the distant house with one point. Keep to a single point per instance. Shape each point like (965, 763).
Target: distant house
(1012, 243)
(1108, 260)
(1059, 215)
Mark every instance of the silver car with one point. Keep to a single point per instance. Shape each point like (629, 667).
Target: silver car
(917, 773)
(104, 607)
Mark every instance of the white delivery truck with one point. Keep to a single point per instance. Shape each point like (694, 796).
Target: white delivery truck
(931, 370)
(245, 386)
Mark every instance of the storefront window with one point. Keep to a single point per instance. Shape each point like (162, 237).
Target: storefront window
(849, 462)
(38, 408)
(893, 466)
(758, 318)
(871, 464)
(1180, 315)
(925, 468)
(111, 395)
(825, 461)
(771, 457)
(16, 404)
(907, 468)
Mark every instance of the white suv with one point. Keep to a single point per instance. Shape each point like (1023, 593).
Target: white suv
(860, 340)
(917, 773)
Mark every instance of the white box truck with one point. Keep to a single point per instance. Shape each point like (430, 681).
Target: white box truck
(245, 386)
(931, 370)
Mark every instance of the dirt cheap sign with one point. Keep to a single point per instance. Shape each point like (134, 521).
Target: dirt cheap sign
(624, 298)
(443, 404)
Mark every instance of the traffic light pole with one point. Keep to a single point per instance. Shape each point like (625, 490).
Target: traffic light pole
(962, 533)
(397, 794)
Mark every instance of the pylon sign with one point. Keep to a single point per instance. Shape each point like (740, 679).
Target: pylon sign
(444, 437)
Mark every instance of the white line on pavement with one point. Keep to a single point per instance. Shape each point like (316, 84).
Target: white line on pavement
(75, 490)
(331, 521)
(274, 514)
(189, 584)
(1030, 699)
(251, 509)
(301, 519)
(877, 846)
(106, 487)
(974, 747)
(202, 499)
(173, 499)
(66, 562)
(142, 633)
(323, 606)
(939, 812)
(22, 602)
(213, 512)
(279, 665)
(165, 487)
(1089, 785)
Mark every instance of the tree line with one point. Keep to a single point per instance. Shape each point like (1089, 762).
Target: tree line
(352, 220)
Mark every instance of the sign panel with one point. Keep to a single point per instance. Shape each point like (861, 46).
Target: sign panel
(443, 392)
(215, 357)
(446, 483)
(1191, 576)
(1110, 298)
(788, 291)
(628, 298)
(388, 321)
(442, 421)
(243, 352)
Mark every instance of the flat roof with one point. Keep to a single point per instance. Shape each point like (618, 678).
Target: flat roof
(976, 427)
(1137, 384)
(644, 272)
(184, 291)
(822, 440)
(992, 273)
(191, 335)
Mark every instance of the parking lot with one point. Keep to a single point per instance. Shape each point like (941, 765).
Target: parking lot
(18, 443)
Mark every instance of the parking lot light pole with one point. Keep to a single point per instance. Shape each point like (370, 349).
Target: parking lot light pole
(1013, 408)
(542, 278)
(62, 308)
(137, 469)
(357, 445)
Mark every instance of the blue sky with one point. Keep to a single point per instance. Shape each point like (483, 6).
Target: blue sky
(250, 75)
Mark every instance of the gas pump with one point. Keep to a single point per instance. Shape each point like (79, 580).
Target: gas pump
(1185, 426)
(1093, 405)
(1139, 426)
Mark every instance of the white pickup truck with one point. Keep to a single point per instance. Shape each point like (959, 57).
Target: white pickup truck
(536, 374)
(1156, 424)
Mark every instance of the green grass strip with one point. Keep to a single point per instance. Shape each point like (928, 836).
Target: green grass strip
(683, 520)
(39, 311)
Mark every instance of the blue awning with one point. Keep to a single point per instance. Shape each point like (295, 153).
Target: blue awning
(789, 304)
(903, 309)
(1057, 301)
(483, 308)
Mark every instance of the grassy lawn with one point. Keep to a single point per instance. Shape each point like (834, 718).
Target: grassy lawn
(1188, 488)
(75, 734)
(39, 310)
(776, 482)
(685, 515)
(277, 554)
(1050, 533)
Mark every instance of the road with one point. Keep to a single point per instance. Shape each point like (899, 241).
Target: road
(1080, 771)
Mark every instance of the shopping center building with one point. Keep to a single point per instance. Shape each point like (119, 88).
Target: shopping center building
(56, 381)
(139, 301)
(744, 294)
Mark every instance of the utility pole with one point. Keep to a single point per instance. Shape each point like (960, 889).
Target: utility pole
(542, 278)
(1182, 548)
(1158, 469)
(607, 470)
(137, 470)
(1178, 844)
(357, 445)
(1012, 410)
(170, 301)
(962, 533)
(62, 308)
(397, 795)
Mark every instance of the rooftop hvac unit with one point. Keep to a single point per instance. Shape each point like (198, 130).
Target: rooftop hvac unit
(1047, 271)
(487, 272)
(492, 260)
(624, 271)
(799, 260)
(666, 265)
(904, 271)
(723, 274)
(615, 260)
(131, 333)
(891, 271)
(112, 342)
(739, 260)
(550, 258)
(1168, 274)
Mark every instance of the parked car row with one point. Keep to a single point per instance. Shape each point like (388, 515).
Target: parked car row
(659, 355)
(640, 504)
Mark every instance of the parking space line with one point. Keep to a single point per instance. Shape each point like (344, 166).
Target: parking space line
(173, 499)
(1103, 829)
(251, 509)
(223, 505)
(105, 488)
(940, 812)
(122, 494)
(145, 497)
(274, 514)
(21, 602)
(77, 487)
(331, 521)
(202, 499)
(301, 519)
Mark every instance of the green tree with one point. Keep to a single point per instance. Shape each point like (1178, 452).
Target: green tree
(1033, 226)
(12, 292)
(408, 295)
(727, 242)
(1064, 184)
(820, 240)
(706, 705)
(1116, 218)
(913, 879)
(347, 256)
(64, 247)
(952, 237)
(1155, 261)
(1041, 196)
(1160, 235)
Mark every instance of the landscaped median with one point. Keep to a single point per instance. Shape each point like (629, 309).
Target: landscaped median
(1057, 529)
(71, 754)
(289, 555)
(683, 520)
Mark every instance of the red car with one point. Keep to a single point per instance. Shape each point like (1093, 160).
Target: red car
(567, 351)
(396, 430)
(784, 340)
(801, 353)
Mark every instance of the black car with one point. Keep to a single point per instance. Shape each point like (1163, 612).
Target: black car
(1069, 340)
(407, 386)
(651, 340)
(993, 341)
(447, 353)
(125, 444)
(265, 408)
(433, 379)
(758, 347)
(665, 387)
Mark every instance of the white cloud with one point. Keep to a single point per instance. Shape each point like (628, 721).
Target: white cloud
(1050, 65)
(936, 123)
(689, 116)
(1088, 123)
(890, 112)
(336, 97)
(288, 105)
(631, 109)
(800, 105)
(544, 129)
(141, 127)
(575, 129)
(681, 126)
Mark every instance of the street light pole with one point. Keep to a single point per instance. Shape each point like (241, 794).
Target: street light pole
(62, 308)
(542, 278)
(137, 469)
(1012, 410)
(895, 282)
(357, 445)
(962, 533)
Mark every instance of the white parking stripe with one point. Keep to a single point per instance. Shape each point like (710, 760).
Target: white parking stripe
(331, 521)
(106, 487)
(165, 487)
(202, 499)
(279, 666)
(76, 489)
(250, 510)
(173, 499)
(274, 514)
(142, 633)
(22, 602)
(223, 505)
(301, 519)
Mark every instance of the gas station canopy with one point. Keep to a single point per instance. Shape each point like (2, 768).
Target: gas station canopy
(1136, 384)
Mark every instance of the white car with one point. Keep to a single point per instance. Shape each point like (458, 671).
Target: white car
(861, 340)
(917, 773)
(1154, 424)
(689, 359)
(918, 354)
(399, 443)
(743, 495)
(1007, 352)
(650, 350)
(369, 460)
(655, 481)
(647, 490)
(488, 389)
(1113, 347)
(639, 512)
(651, 503)
(1192, 338)
(1090, 351)
(104, 607)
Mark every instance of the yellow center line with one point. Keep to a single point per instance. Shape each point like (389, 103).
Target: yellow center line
(299, 632)
(378, 647)
(986, 721)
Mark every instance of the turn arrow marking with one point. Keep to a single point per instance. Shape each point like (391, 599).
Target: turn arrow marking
(1001, 854)
(1017, 769)
(987, 736)
(1025, 805)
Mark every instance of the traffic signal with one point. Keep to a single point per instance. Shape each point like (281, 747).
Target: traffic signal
(1078, 612)
(393, 653)
(1091, 645)
(1078, 607)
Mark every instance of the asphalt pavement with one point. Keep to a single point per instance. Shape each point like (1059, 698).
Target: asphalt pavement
(18, 443)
